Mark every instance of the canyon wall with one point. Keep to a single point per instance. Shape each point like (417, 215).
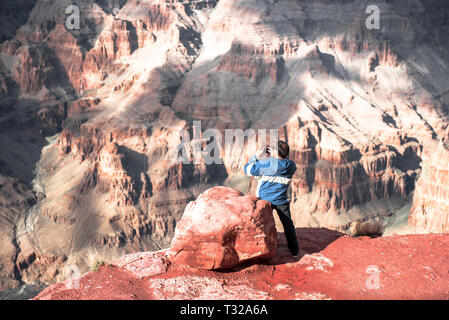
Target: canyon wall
(430, 208)
(90, 117)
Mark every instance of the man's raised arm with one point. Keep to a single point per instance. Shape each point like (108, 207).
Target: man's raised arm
(249, 167)
(256, 167)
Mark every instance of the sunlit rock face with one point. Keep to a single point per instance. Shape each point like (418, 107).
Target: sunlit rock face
(430, 209)
(90, 117)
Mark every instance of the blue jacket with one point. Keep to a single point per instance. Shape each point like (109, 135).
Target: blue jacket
(274, 177)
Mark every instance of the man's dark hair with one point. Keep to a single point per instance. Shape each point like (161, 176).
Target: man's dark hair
(283, 149)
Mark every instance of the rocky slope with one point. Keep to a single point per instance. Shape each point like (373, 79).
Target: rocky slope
(91, 116)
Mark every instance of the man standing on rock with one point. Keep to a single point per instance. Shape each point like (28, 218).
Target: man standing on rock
(275, 174)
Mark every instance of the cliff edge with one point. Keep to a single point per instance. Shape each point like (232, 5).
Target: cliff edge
(331, 265)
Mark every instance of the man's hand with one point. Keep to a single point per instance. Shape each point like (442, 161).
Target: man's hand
(272, 152)
(266, 152)
(260, 153)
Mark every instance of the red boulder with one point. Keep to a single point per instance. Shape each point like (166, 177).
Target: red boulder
(223, 228)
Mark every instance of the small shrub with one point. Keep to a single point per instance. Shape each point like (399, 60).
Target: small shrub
(95, 258)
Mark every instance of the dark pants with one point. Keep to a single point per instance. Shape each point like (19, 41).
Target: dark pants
(283, 211)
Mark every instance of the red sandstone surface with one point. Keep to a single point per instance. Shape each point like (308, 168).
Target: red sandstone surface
(331, 266)
(235, 236)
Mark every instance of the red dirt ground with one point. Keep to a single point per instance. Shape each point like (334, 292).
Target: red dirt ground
(331, 266)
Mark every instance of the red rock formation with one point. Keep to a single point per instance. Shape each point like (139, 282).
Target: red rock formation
(360, 268)
(252, 65)
(113, 178)
(223, 228)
